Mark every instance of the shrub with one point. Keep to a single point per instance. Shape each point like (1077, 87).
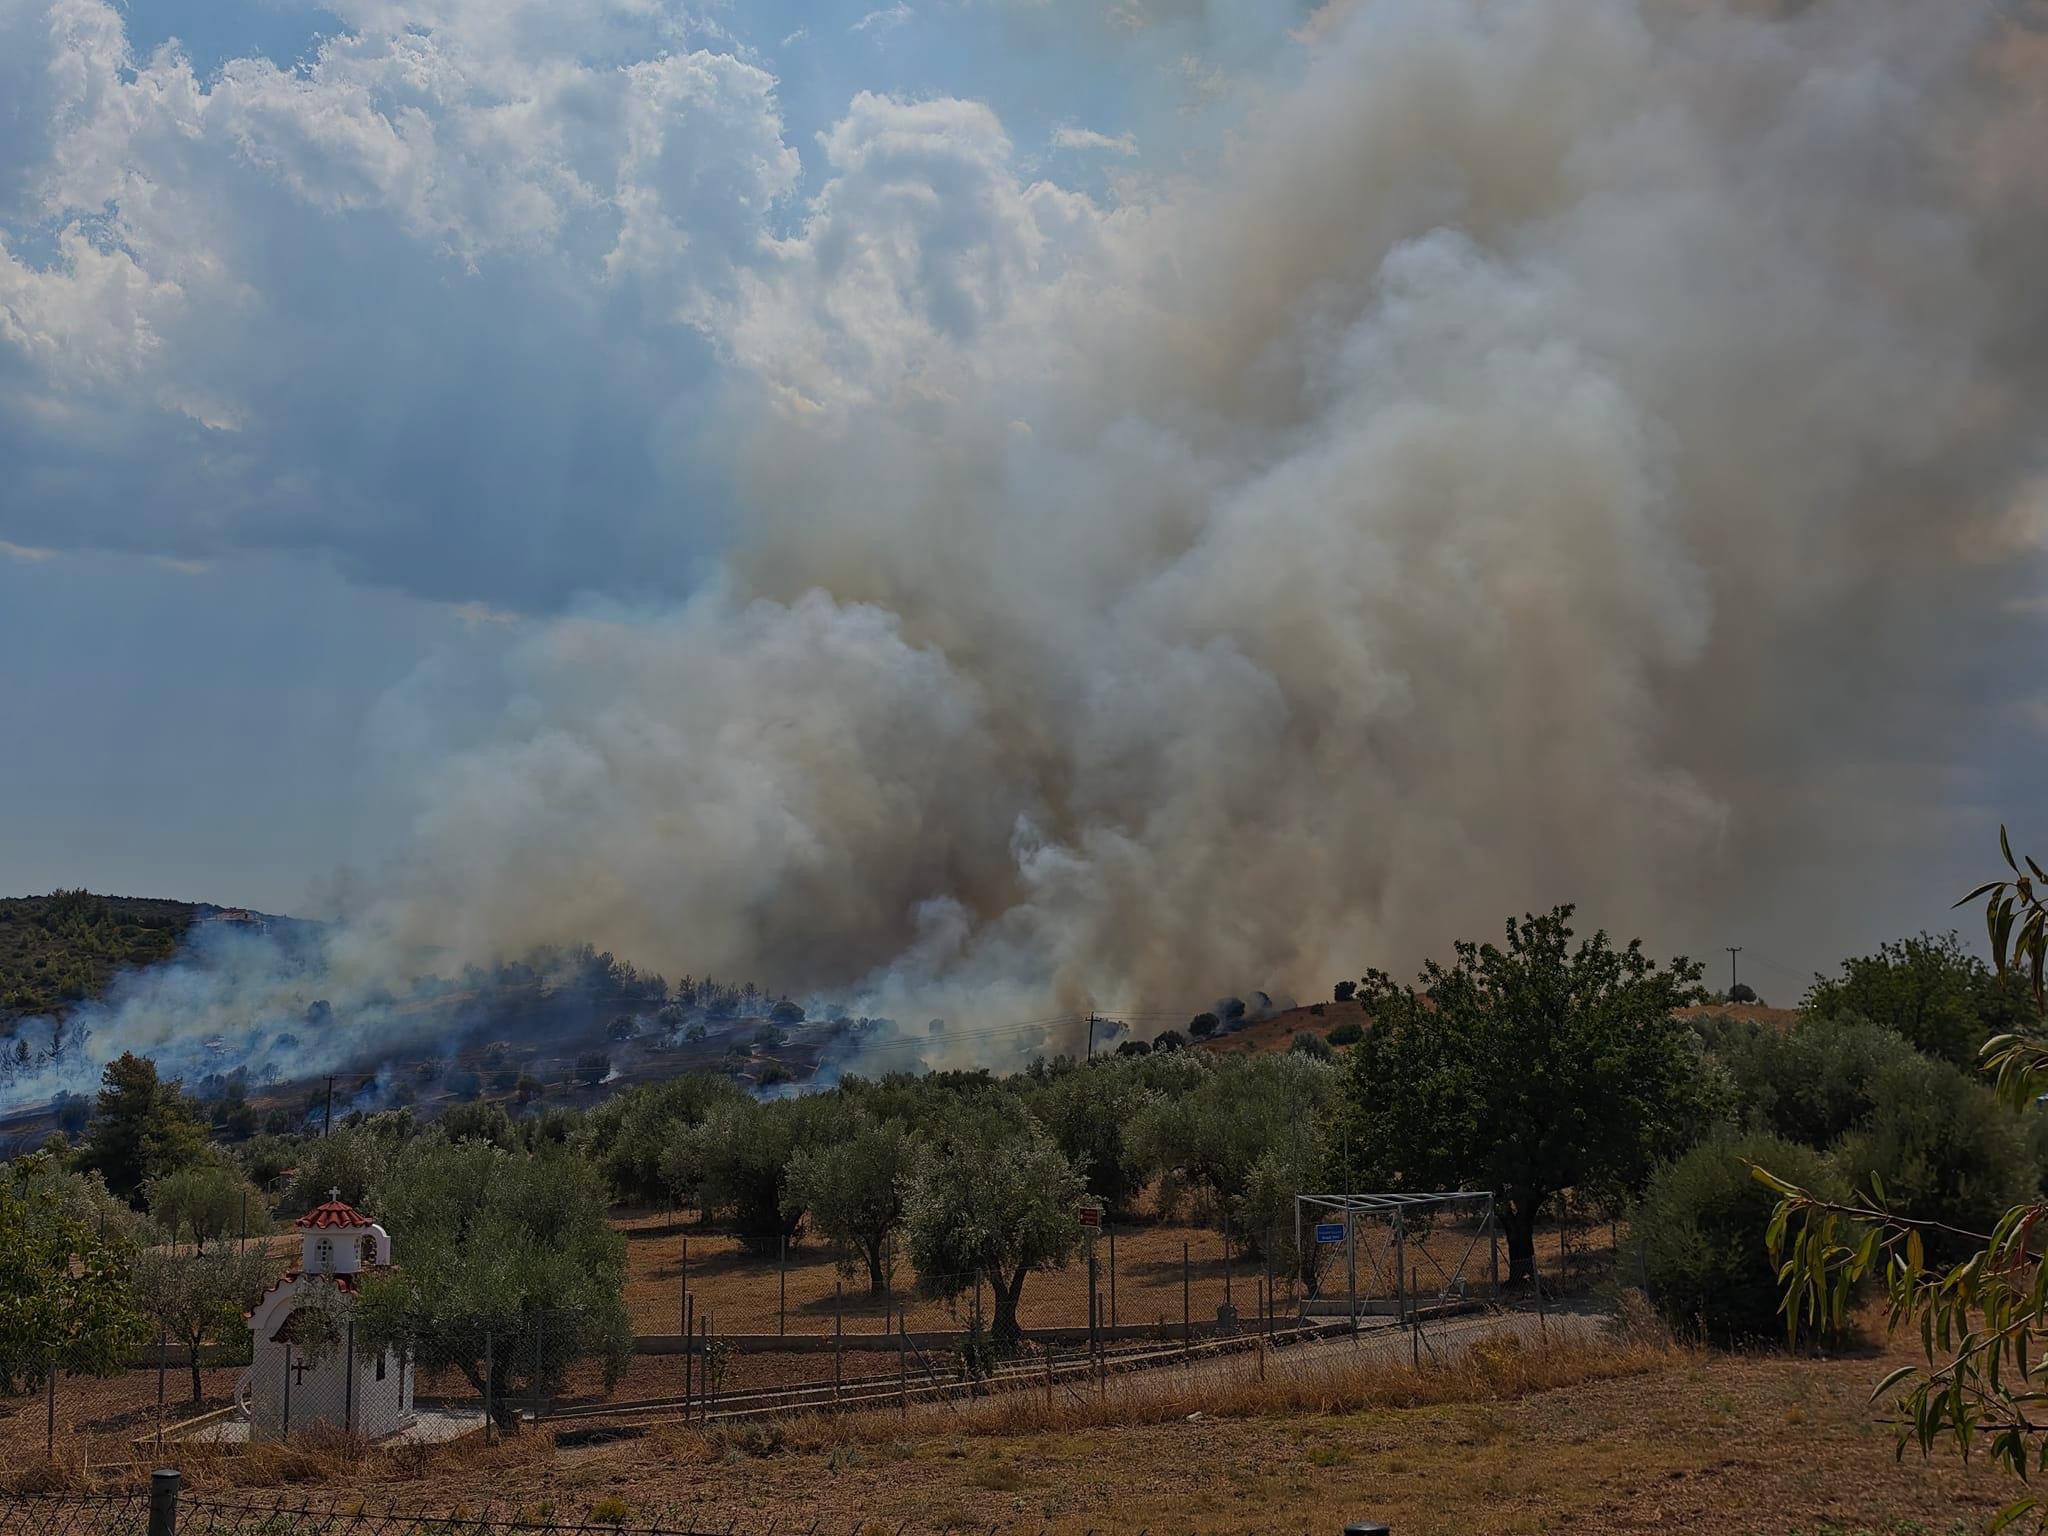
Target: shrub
(1811, 1085)
(1945, 1147)
(1343, 991)
(1309, 1043)
(1698, 1234)
(1202, 1026)
(1350, 1032)
(1169, 1040)
(592, 1067)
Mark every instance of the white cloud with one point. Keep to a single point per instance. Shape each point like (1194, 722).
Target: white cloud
(886, 19)
(1087, 139)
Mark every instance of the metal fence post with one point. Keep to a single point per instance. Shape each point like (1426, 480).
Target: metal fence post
(838, 1339)
(689, 1353)
(537, 1330)
(348, 1383)
(50, 1413)
(1187, 1329)
(163, 1349)
(1400, 1268)
(903, 1362)
(782, 1289)
(163, 1502)
(284, 1428)
(1112, 1275)
(490, 1364)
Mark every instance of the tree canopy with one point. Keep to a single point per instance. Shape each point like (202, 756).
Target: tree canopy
(66, 1301)
(1528, 1067)
(1931, 992)
(852, 1189)
(142, 1128)
(510, 1270)
(990, 1205)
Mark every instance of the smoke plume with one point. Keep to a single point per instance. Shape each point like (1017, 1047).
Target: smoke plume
(1546, 412)
(1559, 451)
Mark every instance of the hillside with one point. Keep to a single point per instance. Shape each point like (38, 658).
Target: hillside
(64, 948)
(1276, 1032)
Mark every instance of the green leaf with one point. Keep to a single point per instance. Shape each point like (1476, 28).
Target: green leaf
(1892, 1380)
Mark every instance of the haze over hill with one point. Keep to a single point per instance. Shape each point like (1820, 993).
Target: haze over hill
(1503, 453)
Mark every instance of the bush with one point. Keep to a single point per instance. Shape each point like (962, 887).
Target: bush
(1698, 1235)
(1309, 1043)
(1809, 1086)
(1350, 1032)
(592, 1067)
(1169, 1040)
(1202, 1026)
(1946, 1149)
(1343, 991)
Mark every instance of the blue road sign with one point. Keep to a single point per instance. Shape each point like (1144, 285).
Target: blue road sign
(1329, 1231)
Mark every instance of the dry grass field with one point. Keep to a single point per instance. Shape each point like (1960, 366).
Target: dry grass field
(1636, 1438)
(741, 1292)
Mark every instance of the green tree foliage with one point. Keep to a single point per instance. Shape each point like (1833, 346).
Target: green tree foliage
(1930, 991)
(1202, 1026)
(1811, 1084)
(737, 1163)
(1089, 1111)
(508, 1259)
(196, 1297)
(1942, 1148)
(1239, 1126)
(66, 1301)
(64, 948)
(347, 1161)
(592, 1067)
(1981, 1315)
(1309, 1043)
(1350, 1032)
(851, 1187)
(142, 1128)
(1698, 1234)
(207, 1199)
(1527, 1068)
(990, 1204)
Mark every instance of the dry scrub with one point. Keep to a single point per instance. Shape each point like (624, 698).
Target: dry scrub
(1496, 1368)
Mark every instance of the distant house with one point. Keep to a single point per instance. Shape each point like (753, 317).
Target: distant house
(307, 1369)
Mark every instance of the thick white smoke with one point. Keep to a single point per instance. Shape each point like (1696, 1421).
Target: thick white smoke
(1550, 457)
(1442, 506)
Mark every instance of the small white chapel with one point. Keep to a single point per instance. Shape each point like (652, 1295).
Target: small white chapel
(290, 1389)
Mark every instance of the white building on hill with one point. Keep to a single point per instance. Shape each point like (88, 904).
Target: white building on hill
(294, 1384)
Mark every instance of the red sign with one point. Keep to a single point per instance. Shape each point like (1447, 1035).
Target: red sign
(1091, 1216)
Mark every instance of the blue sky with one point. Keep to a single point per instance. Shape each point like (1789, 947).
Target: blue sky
(1324, 473)
(424, 436)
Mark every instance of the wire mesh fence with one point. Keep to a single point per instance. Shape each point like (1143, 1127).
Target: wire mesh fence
(713, 1350)
(168, 1511)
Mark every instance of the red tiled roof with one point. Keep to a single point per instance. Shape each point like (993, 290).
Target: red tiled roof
(334, 1213)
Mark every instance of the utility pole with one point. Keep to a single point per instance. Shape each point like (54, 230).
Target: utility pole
(1733, 951)
(327, 1124)
(1091, 1036)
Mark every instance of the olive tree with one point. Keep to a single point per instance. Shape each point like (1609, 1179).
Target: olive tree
(208, 1199)
(193, 1297)
(511, 1270)
(1236, 1131)
(992, 1204)
(852, 1189)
